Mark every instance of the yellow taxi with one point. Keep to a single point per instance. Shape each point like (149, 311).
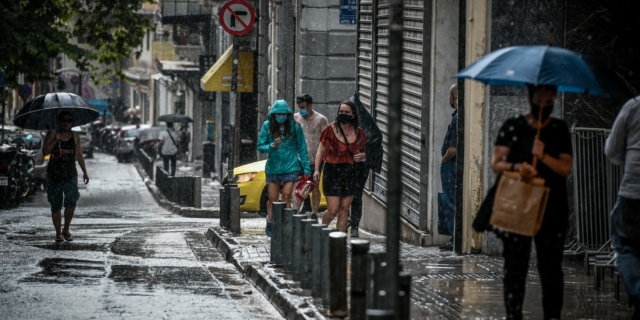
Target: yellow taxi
(251, 179)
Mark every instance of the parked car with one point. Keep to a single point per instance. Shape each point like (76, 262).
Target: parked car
(85, 140)
(127, 140)
(251, 179)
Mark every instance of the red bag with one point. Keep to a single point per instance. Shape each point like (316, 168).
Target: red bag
(303, 187)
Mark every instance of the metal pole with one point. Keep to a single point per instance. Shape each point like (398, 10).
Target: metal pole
(326, 266)
(276, 233)
(197, 192)
(287, 239)
(4, 101)
(305, 254)
(404, 296)
(297, 246)
(338, 274)
(394, 185)
(234, 210)
(359, 250)
(376, 274)
(233, 101)
(316, 260)
(224, 204)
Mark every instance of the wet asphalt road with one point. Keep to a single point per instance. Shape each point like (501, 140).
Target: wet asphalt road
(130, 259)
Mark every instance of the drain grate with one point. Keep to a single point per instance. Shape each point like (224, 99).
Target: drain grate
(462, 276)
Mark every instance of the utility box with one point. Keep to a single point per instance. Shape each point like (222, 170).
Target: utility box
(208, 158)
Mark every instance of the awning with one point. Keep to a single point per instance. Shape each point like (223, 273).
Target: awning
(136, 74)
(218, 78)
(178, 68)
(101, 105)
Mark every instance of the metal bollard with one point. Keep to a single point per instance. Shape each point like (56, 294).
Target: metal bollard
(224, 207)
(297, 245)
(234, 210)
(197, 192)
(375, 278)
(316, 260)
(276, 233)
(359, 259)
(404, 296)
(287, 239)
(338, 274)
(325, 266)
(305, 266)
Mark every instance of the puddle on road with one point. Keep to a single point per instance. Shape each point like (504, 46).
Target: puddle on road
(192, 279)
(103, 214)
(68, 271)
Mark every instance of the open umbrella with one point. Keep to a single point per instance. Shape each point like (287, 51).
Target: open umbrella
(174, 117)
(42, 112)
(545, 65)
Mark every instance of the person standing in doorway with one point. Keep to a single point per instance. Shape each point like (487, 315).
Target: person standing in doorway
(623, 148)
(448, 168)
(168, 148)
(312, 123)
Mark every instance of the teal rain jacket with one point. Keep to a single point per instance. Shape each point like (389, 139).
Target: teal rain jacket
(292, 152)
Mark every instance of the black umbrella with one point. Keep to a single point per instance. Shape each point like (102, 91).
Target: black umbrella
(174, 117)
(374, 135)
(42, 112)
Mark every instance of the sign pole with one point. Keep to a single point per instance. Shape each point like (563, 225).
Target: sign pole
(4, 102)
(233, 105)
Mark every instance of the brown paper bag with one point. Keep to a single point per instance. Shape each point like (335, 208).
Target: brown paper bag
(519, 205)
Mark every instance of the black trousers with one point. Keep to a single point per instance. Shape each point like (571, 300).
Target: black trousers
(549, 249)
(362, 173)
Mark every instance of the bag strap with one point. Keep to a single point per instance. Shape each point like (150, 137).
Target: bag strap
(170, 136)
(345, 140)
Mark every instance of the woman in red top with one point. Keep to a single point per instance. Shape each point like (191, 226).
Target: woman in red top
(342, 143)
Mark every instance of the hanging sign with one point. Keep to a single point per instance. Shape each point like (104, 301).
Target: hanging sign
(237, 17)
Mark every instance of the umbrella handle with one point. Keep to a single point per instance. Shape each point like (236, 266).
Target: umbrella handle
(535, 157)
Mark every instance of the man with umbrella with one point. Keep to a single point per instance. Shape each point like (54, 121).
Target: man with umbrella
(168, 148)
(62, 111)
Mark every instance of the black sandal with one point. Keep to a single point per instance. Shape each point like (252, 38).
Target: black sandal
(59, 239)
(67, 237)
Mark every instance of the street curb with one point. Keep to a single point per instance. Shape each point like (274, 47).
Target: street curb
(189, 212)
(290, 306)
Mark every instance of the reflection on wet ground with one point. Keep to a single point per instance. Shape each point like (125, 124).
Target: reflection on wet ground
(129, 259)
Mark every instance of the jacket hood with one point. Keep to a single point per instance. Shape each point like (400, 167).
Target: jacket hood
(280, 106)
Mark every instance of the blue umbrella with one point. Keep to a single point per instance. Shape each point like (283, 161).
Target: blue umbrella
(545, 65)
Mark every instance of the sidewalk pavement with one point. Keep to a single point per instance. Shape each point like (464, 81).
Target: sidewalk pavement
(444, 285)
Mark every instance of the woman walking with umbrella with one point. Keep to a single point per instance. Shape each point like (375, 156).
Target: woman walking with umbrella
(62, 111)
(544, 70)
(64, 148)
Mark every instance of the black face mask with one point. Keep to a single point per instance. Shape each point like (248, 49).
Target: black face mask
(344, 118)
(546, 111)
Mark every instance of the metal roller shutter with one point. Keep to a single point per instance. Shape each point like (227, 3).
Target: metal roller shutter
(411, 102)
(365, 51)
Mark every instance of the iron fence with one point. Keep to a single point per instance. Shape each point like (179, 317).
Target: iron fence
(595, 187)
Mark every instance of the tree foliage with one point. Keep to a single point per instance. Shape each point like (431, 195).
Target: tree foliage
(32, 32)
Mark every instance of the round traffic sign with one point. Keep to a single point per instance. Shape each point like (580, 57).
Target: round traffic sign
(237, 17)
(75, 80)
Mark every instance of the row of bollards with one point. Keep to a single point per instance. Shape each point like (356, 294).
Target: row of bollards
(316, 257)
(230, 208)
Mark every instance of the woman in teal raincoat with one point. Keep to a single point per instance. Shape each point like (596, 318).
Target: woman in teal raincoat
(282, 138)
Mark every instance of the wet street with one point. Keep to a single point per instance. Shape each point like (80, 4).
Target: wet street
(130, 259)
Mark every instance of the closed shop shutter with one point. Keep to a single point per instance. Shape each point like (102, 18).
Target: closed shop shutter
(365, 52)
(411, 98)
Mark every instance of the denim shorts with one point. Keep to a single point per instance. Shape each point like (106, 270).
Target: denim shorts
(62, 193)
(282, 178)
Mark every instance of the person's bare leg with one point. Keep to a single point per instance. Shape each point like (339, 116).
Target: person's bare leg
(343, 213)
(287, 190)
(315, 200)
(68, 215)
(333, 203)
(56, 217)
(274, 195)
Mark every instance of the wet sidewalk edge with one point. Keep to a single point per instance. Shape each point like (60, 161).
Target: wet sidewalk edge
(282, 296)
(188, 212)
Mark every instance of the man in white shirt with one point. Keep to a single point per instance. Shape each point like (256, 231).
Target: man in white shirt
(168, 148)
(312, 124)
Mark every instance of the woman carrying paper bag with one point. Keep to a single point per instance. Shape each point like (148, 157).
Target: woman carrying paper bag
(519, 141)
